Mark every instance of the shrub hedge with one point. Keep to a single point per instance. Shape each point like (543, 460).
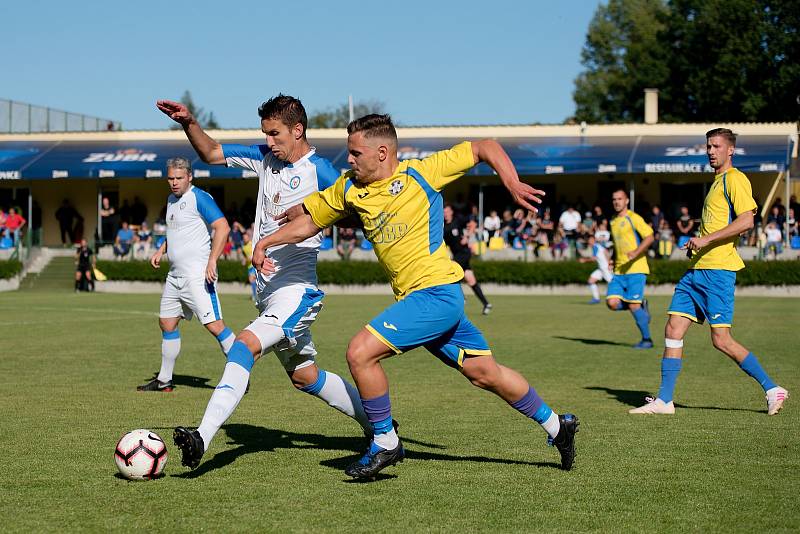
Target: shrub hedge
(499, 272)
(9, 268)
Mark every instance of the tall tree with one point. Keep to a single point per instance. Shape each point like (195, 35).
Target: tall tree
(206, 120)
(712, 60)
(622, 58)
(339, 116)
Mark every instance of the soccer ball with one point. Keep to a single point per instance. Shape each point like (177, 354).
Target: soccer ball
(140, 455)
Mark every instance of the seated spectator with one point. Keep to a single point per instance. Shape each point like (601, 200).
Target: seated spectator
(775, 216)
(598, 216)
(159, 232)
(546, 226)
(143, 240)
(507, 228)
(560, 244)
(491, 224)
(123, 241)
(14, 223)
(346, 243)
(602, 236)
(666, 240)
(585, 230)
(793, 229)
(774, 240)
(3, 217)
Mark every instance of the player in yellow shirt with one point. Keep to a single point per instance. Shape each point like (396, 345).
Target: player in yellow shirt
(706, 290)
(632, 238)
(401, 208)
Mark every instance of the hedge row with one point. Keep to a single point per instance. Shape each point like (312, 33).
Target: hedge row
(499, 272)
(9, 269)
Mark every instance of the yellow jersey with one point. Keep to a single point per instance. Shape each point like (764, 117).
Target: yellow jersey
(402, 216)
(627, 232)
(247, 250)
(729, 196)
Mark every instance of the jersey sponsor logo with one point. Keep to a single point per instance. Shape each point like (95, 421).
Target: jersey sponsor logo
(390, 326)
(9, 175)
(124, 155)
(385, 231)
(395, 187)
(294, 183)
(696, 150)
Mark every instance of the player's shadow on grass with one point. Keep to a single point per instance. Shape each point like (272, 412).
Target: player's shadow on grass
(630, 397)
(192, 381)
(253, 439)
(589, 341)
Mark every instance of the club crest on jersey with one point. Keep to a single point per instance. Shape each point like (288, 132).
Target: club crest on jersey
(395, 187)
(277, 198)
(294, 183)
(183, 204)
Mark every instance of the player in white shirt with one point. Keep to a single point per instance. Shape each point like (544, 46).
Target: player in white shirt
(289, 300)
(190, 288)
(600, 255)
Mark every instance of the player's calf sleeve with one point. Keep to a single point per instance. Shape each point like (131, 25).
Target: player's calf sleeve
(531, 405)
(642, 319)
(670, 369)
(226, 339)
(479, 293)
(229, 391)
(379, 414)
(339, 394)
(752, 367)
(170, 348)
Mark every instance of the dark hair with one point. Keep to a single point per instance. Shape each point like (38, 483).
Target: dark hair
(287, 108)
(373, 125)
(722, 132)
(620, 189)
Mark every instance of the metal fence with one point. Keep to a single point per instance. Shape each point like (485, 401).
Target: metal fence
(19, 117)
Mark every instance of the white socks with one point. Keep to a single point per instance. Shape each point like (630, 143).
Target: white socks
(595, 292)
(339, 394)
(170, 348)
(552, 426)
(224, 400)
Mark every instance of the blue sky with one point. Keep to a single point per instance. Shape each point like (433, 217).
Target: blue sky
(429, 62)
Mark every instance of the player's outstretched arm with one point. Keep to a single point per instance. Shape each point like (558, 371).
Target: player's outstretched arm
(490, 152)
(742, 223)
(299, 229)
(207, 148)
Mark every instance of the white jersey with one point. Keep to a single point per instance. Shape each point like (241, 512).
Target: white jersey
(601, 255)
(282, 185)
(189, 217)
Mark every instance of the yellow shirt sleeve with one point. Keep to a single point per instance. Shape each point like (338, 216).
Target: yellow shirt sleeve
(328, 206)
(441, 168)
(642, 227)
(740, 192)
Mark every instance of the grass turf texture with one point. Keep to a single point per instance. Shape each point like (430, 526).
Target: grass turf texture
(71, 364)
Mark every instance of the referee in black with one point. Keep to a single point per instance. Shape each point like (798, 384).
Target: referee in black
(458, 243)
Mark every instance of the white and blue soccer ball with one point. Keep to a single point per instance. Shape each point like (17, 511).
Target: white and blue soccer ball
(141, 455)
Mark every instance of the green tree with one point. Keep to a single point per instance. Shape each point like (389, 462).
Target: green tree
(712, 60)
(621, 57)
(339, 116)
(206, 120)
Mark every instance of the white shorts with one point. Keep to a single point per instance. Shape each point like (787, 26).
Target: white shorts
(292, 309)
(599, 274)
(184, 297)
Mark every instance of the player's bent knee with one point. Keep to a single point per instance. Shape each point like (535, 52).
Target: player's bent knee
(252, 342)
(482, 371)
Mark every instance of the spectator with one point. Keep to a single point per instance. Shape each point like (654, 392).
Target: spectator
(519, 225)
(346, 243)
(602, 235)
(547, 226)
(108, 220)
(159, 232)
(793, 230)
(656, 216)
(598, 216)
(569, 222)
(559, 243)
(774, 240)
(138, 212)
(15, 223)
(775, 216)
(666, 240)
(66, 219)
(507, 227)
(585, 229)
(685, 226)
(778, 204)
(491, 224)
(3, 218)
(123, 241)
(143, 240)
(474, 214)
(237, 236)
(793, 205)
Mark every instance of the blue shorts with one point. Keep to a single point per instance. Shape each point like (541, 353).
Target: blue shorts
(433, 318)
(251, 271)
(627, 287)
(705, 294)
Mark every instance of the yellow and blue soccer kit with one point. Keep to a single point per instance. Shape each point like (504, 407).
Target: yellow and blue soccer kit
(404, 221)
(630, 276)
(706, 290)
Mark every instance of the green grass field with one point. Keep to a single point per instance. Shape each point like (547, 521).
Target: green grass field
(70, 365)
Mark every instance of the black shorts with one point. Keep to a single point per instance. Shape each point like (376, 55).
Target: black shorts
(83, 268)
(463, 260)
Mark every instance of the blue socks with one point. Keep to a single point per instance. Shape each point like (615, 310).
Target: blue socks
(670, 368)
(241, 355)
(531, 405)
(379, 414)
(642, 319)
(751, 366)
